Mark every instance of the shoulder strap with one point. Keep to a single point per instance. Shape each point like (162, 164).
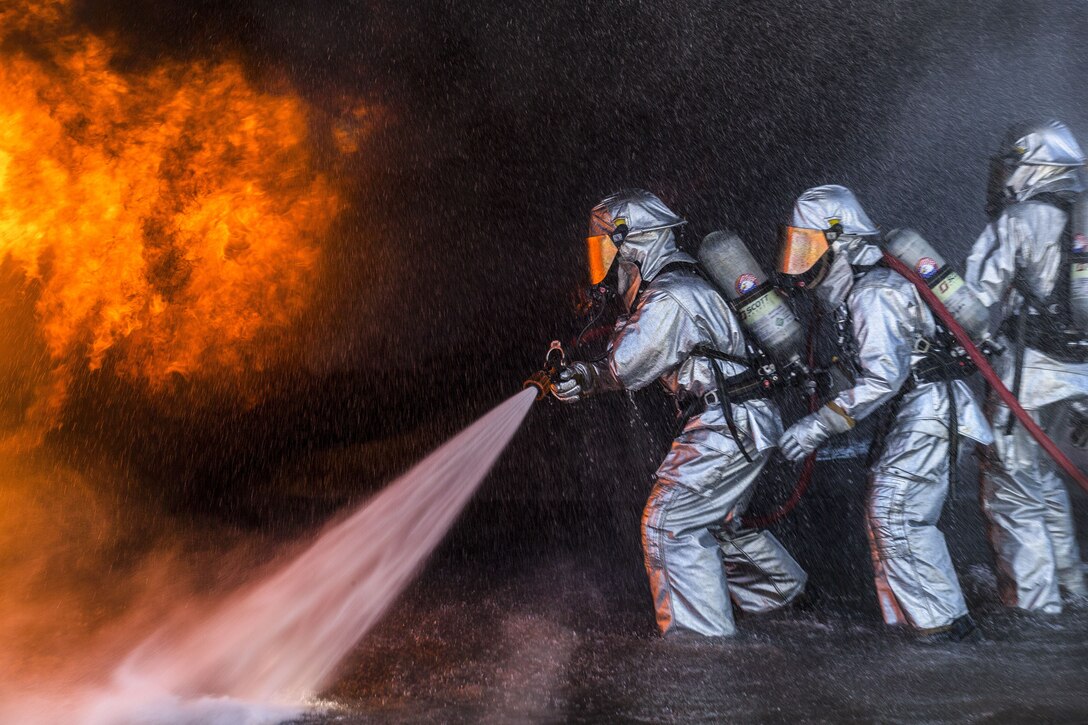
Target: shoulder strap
(713, 354)
(845, 341)
(676, 266)
(860, 269)
(1059, 296)
(1055, 199)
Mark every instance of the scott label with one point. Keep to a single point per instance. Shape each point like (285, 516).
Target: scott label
(759, 308)
(947, 287)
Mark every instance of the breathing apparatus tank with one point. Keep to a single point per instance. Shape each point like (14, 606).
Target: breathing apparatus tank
(761, 308)
(1078, 265)
(911, 249)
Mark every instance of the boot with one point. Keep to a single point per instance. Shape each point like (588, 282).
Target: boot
(962, 629)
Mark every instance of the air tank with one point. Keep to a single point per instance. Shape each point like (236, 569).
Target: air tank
(911, 249)
(1078, 265)
(760, 307)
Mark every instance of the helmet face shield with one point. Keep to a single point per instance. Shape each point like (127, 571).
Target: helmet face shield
(602, 251)
(801, 249)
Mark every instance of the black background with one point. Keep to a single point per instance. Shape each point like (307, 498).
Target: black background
(456, 263)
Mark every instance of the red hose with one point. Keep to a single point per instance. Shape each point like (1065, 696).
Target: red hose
(805, 479)
(803, 482)
(988, 372)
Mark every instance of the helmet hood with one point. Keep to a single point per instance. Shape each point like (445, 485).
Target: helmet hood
(636, 226)
(1037, 157)
(821, 215)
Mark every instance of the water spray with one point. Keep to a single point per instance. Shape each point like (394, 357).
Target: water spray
(280, 640)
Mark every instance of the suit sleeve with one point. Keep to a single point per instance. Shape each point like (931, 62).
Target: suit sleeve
(992, 264)
(654, 339)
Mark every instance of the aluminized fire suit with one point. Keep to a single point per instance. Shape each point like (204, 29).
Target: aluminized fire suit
(694, 563)
(890, 324)
(1024, 498)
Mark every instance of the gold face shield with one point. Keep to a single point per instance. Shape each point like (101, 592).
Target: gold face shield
(801, 249)
(602, 250)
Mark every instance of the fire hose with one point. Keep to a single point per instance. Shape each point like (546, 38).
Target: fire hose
(803, 482)
(988, 372)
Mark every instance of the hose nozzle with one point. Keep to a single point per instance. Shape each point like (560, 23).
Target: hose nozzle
(542, 379)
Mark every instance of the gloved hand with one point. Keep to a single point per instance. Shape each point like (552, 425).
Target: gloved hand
(809, 433)
(573, 382)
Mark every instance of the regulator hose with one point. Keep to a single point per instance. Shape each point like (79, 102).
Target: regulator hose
(988, 372)
(803, 482)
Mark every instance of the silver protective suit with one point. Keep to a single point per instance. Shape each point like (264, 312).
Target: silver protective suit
(1023, 495)
(915, 581)
(695, 563)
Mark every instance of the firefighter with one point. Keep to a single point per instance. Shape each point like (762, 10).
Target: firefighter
(678, 329)
(889, 340)
(1023, 268)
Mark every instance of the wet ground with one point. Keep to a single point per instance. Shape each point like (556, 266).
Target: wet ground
(555, 631)
(536, 609)
(526, 652)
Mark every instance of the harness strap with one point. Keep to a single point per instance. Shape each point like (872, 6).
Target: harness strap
(670, 267)
(1059, 299)
(949, 369)
(727, 409)
(937, 365)
(953, 439)
(890, 413)
(716, 356)
(1018, 367)
(713, 354)
(846, 343)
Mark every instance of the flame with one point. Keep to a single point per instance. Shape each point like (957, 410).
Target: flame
(169, 220)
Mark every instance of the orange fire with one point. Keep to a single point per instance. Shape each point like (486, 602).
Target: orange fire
(169, 220)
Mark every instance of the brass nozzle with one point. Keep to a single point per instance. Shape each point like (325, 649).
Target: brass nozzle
(539, 380)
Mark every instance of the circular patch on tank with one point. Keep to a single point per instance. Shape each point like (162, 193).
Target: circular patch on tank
(1080, 244)
(746, 283)
(926, 267)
